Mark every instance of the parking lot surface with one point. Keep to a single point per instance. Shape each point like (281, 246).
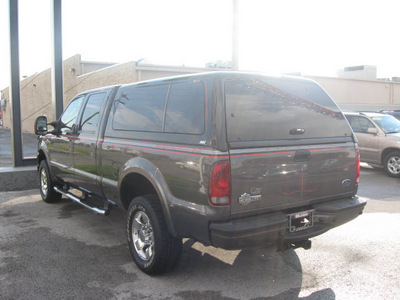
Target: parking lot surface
(62, 251)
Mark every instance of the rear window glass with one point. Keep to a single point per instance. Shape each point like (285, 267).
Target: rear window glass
(141, 109)
(280, 109)
(170, 108)
(185, 109)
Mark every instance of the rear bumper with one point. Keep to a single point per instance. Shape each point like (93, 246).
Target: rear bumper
(272, 229)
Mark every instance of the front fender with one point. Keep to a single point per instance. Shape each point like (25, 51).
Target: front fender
(42, 147)
(139, 165)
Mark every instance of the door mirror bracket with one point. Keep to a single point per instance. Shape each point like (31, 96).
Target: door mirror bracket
(372, 130)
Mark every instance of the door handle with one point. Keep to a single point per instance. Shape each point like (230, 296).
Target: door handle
(297, 131)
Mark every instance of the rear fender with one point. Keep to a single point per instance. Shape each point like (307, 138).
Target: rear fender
(148, 170)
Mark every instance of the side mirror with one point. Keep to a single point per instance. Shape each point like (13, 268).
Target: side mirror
(372, 130)
(41, 125)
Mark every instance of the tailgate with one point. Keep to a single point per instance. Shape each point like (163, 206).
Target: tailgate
(290, 144)
(267, 179)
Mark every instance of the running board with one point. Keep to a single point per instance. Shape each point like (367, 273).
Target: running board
(96, 210)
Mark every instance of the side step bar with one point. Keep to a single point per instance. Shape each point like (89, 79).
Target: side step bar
(96, 210)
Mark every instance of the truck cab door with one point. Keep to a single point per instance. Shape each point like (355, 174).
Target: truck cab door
(60, 145)
(86, 143)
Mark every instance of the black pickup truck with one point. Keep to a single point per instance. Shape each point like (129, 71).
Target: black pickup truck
(232, 160)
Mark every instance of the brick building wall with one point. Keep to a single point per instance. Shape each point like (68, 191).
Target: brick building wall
(36, 90)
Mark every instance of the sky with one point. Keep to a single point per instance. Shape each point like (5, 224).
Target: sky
(314, 37)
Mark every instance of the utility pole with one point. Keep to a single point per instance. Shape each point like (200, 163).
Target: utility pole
(15, 92)
(57, 68)
(235, 50)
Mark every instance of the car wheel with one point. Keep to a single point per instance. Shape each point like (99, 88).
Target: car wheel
(392, 164)
(46, 186)
(153, 249)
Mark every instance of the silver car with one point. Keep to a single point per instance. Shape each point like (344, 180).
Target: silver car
(378, 139)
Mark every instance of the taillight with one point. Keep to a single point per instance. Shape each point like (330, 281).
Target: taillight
(220, 184)
(358, 166)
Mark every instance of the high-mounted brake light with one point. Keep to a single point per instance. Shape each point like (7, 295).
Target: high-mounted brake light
(220, 184)
(358, 166)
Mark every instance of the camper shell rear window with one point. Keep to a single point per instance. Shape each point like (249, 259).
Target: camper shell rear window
(266, 109)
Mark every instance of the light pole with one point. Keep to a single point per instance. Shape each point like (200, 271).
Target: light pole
(57, 68)
(235, 51)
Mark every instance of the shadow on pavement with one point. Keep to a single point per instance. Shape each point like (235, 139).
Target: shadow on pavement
(273, 275)
(61, 250)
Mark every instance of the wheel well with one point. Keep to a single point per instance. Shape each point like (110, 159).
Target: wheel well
(387, 151)
(135, 185)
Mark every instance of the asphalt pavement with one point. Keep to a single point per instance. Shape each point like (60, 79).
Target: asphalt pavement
(63, 251)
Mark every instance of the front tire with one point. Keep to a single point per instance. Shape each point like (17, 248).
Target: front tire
(46, 186)
(153, 249)
(391, 164)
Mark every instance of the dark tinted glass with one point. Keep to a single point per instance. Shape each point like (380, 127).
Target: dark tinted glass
(280, 109)
(185, 108)
(68, 118)
(141, 109)
(90, 117)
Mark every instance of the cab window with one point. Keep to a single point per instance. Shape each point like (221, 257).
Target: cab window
(91, 114)
(360, 124)
(68, 119)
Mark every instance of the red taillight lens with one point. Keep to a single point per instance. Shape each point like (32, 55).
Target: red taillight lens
(220, 184)
(358, 166)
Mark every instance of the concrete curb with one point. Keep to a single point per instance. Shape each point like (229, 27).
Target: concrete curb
(18, 179)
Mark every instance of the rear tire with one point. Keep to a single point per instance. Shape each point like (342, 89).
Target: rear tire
(391, 164)
(152, 247)
(46, 186)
